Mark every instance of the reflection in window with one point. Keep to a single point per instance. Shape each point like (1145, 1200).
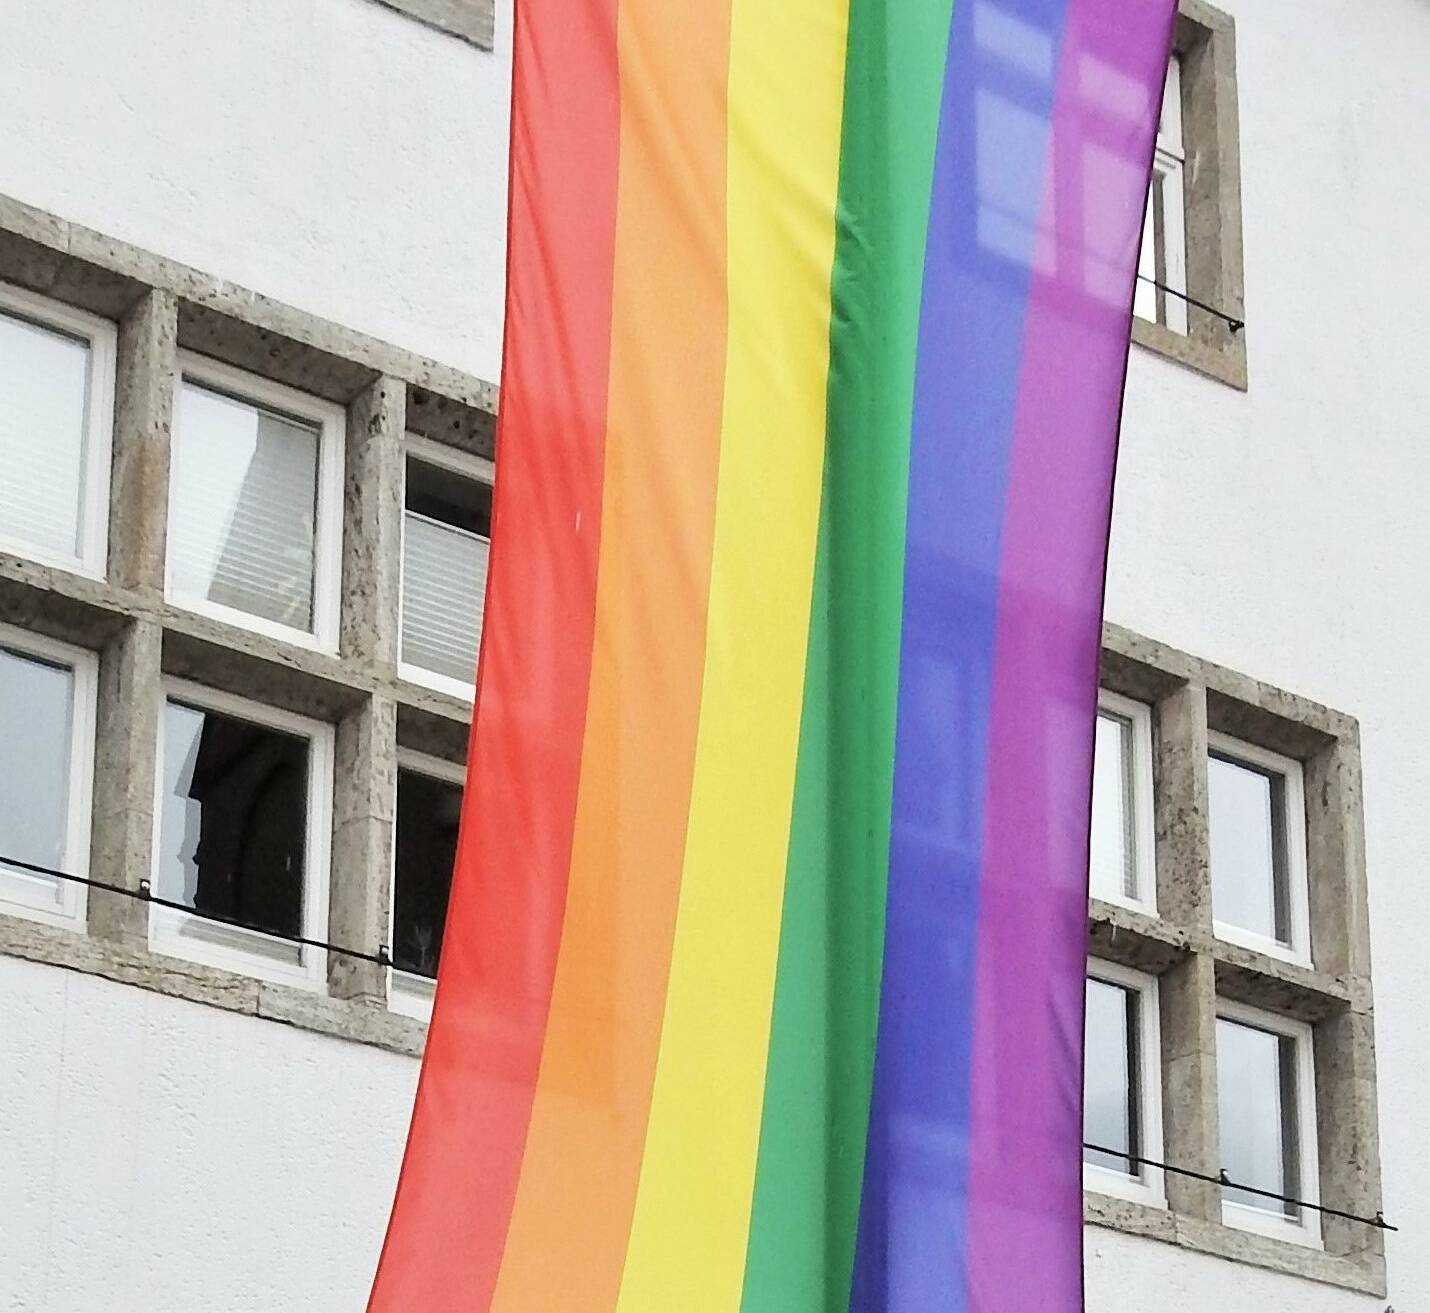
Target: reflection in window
(1249, 841)
(1112, 1116)
(1257, 1101)
(234, 820)
(243, 508)
(36, 707)
(428, 811)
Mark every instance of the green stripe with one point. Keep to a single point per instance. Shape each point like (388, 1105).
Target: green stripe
(811, 1156)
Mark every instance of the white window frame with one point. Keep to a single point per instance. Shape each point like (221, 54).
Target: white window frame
(195, 937)
(1149, 1186)
(1263, 1221)
(409, 994)
(1168, 169)
(331, 422)
(1297, 874)
(60, 903)
(102, 338)
(467, 466)
(1144, 819)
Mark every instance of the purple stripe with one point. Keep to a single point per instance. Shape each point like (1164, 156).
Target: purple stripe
(988, 187)
(1025, 1190)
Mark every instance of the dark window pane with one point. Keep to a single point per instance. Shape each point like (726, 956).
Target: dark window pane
(1111, 1099)
(441, 495)
(427, 814)
(235, 809)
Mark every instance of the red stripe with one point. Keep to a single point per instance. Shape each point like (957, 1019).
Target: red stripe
(455, 1194)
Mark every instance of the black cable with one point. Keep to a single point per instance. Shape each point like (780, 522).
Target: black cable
(1231, 321)
(382, 958)
(146, 895)
(1222, 1179)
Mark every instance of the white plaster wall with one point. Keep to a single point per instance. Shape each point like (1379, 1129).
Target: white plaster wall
(158, 1155)
(333, 154)
(1285, 533)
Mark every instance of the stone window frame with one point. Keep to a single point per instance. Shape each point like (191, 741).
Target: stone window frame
(1198, 972)
(1205, 47)
(473, 21)
(143, 642)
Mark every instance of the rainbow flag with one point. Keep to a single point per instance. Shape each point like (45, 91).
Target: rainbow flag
(762, 984)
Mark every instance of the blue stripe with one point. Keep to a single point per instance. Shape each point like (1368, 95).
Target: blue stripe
(987, 194)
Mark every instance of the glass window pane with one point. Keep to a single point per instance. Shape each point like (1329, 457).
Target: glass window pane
(1248, 832)
(1144, 296)
(1111, 1100)
(36, 703)
(444, 570)
(44, 397)
(243, 508)
(1113, 862)
(1256, 1096)
(235, 810)
(428, 811)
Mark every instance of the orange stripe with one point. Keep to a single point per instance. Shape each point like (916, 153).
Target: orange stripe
(566, 1246)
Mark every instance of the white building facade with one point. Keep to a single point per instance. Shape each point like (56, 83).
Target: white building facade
(277, 226)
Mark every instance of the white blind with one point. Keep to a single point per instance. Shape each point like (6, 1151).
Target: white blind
(1113, 853)
(444, 583)
(242, 516)
(44, 384)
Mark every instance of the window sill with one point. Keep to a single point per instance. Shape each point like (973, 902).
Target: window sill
(1226, 364)
(473, 21)
(1363, 1273)
(363, 1021)
(464, 691)
(410, 995)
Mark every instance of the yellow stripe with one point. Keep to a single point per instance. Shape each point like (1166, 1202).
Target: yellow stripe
(692, 1216)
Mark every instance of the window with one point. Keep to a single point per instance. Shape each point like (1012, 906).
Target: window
(1257, 821)
(1122, 863)
(1192, 236)
(1122, 1097)
(47, 696)
(429, 808)
(241, 835)
(446, 536)
(56, 423)
(1163, 257)
(255, 501)
(1266, 1107)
